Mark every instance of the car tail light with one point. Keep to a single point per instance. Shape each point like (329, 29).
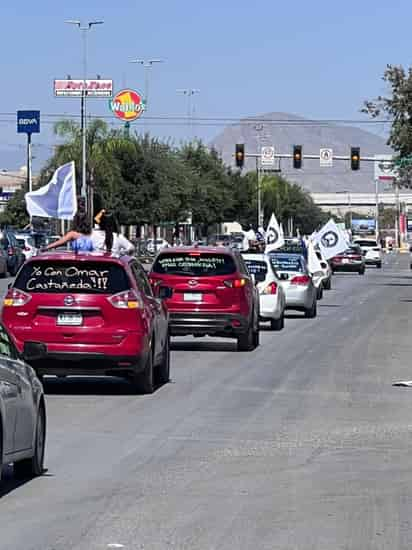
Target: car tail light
(235, 283)
(126, 300)
(16, 298)
(302, 280)
(271, 289)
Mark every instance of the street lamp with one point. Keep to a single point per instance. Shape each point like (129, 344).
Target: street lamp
(147, 65)
(84, 28)
(347, 192)
(189, 93)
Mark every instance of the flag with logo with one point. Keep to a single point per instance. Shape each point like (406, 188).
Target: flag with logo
(274, 238)
(58, 198)
(330, 240)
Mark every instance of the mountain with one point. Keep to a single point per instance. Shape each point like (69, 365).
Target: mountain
(283, 130)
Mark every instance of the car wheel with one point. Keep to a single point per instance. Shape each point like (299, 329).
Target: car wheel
(246, 341)
(143, 382)
(311, 312)
(319, 293)
(277, 324)
(328, 285)
(34, 466)
(379, 265)
(362, 271)
(162, 372)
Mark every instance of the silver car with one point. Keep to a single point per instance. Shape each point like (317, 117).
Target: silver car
(301, 293)
(272, 299)
(22, 411)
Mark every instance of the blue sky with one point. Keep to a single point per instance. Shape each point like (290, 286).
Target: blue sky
(316, 59)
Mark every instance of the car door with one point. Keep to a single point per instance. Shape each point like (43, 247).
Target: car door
(9, 397)
(24, 402)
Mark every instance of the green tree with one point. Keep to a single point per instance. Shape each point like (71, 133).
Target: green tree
(15, 213)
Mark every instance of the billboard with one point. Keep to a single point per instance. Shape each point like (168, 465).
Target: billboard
(363, 226)
(74, 88)
(28, 122)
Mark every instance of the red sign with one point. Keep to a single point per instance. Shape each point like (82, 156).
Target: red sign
(127, 105)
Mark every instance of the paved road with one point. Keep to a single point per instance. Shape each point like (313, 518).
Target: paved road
(302, 444)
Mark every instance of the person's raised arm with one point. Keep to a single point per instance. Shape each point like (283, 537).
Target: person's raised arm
(70, 236)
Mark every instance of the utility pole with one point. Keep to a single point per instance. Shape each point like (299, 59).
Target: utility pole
(377, 209)
(83, 124)
(397, 208)
(189, 93)
(147, 65)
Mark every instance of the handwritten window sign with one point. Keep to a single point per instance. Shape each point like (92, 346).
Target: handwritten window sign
(286, 263)
(82, 277)
(256, 268)
(194, 264)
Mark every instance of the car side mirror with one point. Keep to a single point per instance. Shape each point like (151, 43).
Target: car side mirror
(34, 351)
(165, 292)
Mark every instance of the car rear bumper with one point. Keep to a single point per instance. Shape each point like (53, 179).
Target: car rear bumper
(299, 298)
(270, 307)
(215, 324)
(349, 267)
(373, 261)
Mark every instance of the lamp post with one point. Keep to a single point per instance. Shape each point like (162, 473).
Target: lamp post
(147, 64)
(347, 192)
(84, 28)
(189, 93)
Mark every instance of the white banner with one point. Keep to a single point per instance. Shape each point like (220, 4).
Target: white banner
(331, 240)
(274, 235)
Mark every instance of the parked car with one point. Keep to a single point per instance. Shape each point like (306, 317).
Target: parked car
(300, 291)
(22, 411)
(272, 300)
(27, 244)
(212, 293)
(3, 263)
(350, 260)
(96, 314)
(371, 250)
(154, 245)
(14, 253)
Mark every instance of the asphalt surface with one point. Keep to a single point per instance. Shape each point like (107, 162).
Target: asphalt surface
(302, 444)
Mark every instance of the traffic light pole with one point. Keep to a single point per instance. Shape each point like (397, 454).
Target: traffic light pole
(259, 195)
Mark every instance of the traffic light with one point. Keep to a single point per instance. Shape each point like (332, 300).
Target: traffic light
(297, 156)
(354, 158)
(240, 155)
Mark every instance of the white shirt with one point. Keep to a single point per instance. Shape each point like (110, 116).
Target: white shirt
(120, 243)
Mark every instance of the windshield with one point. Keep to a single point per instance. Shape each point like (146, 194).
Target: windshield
(74, 277)
(194, 264)
(286, 263)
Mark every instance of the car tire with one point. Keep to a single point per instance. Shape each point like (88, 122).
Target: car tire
(162, 371)
(247, 341)
(34, 466)
(311, 312)
(362, 271)
(328, 285)
(319, 293)
(143, 382)
(379, 265)
(277, 324)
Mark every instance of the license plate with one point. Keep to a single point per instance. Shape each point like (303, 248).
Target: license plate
(345, 261)
(192, 296)
(70, 319)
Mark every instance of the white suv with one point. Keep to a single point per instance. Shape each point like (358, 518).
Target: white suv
(371, 251)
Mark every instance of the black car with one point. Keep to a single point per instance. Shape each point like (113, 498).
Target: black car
(10, 246)
(22, 410)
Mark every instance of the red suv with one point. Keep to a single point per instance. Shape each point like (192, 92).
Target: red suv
(95, 313)
(212, 293)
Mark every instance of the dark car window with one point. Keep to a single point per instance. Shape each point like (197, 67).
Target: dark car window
(74, 277)
(6, 346)
(256, 266)
(282, 262)
(195, 264)
(368, 243)
(141, 279)
(354, 250)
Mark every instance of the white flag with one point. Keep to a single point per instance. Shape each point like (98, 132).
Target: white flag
(58, 198)
(274, 235)
(330, 240)
(313, 260)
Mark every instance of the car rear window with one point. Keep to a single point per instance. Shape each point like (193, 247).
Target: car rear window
(194, 264)
(286, 263)
(367, 243)
(73, 277)
(256, 266)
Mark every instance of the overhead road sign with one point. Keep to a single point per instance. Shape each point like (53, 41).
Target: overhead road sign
(91, 87)
(28, 122)
(326, 157)
(267, 157)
